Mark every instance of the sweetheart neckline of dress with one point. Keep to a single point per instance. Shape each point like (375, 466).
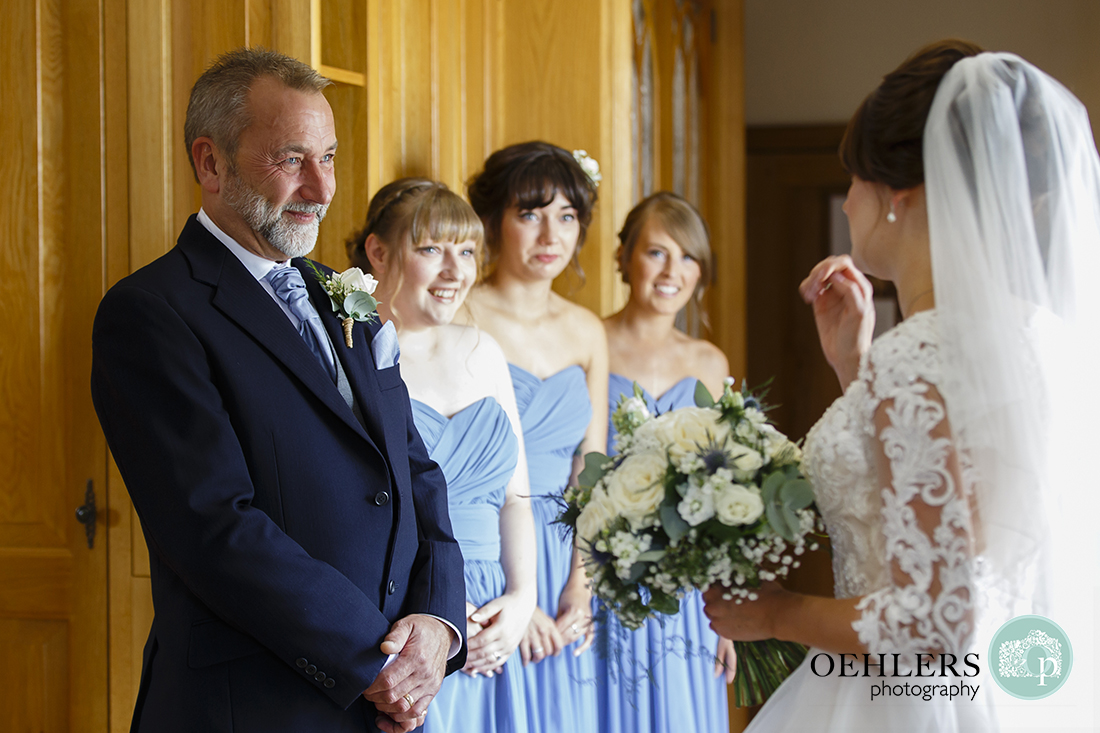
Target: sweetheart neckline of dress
(552, 376)
(649, 394)
(456, 413)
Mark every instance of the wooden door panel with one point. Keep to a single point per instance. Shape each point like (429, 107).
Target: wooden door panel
(53, 622)
(36, 583)
(36, 653)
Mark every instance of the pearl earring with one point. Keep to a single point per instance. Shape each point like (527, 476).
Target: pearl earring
(891, 217)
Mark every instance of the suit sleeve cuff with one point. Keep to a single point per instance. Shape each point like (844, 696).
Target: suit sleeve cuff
(456, 638)
(456, 642)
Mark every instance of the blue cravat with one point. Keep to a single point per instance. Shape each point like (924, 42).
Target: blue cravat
(288, 284)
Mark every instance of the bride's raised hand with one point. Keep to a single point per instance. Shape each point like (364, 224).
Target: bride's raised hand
(844, 310)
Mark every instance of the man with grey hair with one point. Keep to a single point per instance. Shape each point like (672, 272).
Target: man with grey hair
(304, 573)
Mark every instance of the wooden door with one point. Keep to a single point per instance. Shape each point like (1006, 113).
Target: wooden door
(53, 616)
(792, 175)
(795, 186)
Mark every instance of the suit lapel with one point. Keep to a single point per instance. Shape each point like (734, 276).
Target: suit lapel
(358, 361)
(243, 300)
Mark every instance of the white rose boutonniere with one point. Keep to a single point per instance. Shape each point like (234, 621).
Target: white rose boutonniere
(352, 296)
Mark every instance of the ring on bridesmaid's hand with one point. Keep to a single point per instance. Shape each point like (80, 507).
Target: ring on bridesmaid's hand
(575, 629)
(496, 656)
(409, 699)
(537, 650)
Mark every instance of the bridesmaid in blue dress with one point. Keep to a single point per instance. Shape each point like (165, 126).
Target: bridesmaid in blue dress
(668, 675)
(536, 202)
(422, 241)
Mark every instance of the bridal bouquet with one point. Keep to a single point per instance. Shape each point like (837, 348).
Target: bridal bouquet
(697, 496)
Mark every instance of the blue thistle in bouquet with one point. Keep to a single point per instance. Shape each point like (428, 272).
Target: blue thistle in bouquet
(696, 496)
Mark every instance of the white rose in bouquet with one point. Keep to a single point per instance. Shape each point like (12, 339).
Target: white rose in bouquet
(736, 504)
(777, 445)
(746, 461)
(596, 515)
(683, 431)
(636, 489)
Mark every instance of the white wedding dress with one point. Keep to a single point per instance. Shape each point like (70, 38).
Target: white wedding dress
(904, 544)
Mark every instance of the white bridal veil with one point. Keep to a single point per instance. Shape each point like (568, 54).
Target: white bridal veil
(1012, 181)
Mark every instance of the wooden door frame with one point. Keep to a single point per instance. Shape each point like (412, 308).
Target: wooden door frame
(791, 173)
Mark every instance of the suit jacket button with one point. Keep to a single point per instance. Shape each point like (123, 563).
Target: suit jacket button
(329, 683)
(301, 662)
(311, 669)
(320, 676)
(392, 587)
(381, 498)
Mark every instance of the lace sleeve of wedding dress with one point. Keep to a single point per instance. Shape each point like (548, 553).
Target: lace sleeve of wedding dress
(926, 507)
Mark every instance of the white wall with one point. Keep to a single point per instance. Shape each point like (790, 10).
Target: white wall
(813, 61)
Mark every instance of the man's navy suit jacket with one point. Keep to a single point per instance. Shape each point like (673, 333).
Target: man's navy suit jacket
(285, 537)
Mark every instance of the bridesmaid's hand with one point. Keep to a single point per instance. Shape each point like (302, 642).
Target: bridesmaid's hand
(844, 310)
(504, 621)
(473, 628)
(748, 620)
(725, 660)
(575, 613)
(542, 639)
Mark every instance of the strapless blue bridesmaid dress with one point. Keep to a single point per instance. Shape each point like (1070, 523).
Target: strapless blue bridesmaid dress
(660, 678)
(477, 451)
(555, 413)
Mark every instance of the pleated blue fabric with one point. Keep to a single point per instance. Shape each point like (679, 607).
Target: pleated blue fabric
(660, 678)
(477, 451)
(555, 413)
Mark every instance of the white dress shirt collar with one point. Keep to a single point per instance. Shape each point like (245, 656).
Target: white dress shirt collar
(258, 266)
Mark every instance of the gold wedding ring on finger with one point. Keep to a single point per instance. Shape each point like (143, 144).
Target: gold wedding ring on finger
(409, 700)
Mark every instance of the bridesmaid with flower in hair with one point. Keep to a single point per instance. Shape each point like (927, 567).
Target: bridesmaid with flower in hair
(536, 202)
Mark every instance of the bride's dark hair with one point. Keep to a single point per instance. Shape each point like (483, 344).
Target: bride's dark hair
(883, 141)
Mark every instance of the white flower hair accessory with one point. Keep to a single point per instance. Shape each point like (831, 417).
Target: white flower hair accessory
(589, 165)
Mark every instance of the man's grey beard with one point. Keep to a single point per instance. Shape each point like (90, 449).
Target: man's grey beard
(293, 240)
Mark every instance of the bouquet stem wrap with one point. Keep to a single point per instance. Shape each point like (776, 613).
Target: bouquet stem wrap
(761, 668)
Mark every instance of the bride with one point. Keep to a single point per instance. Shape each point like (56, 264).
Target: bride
(975, 191)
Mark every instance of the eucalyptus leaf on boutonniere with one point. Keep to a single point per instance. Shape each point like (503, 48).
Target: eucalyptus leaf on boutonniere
(352, 296)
